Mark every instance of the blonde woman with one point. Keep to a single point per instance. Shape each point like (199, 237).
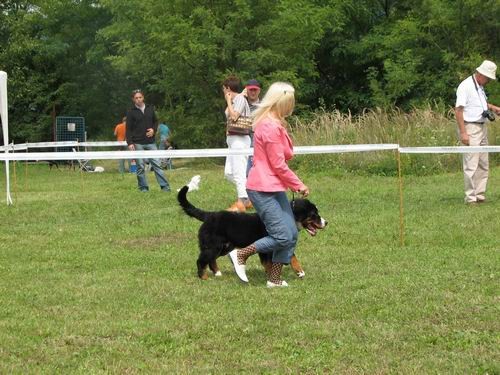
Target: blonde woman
(267, 183)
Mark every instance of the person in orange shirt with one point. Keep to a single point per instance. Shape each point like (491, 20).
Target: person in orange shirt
(119, 132)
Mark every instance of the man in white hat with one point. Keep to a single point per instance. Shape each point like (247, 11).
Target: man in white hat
(473, 112)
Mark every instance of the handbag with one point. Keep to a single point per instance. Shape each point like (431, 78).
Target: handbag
(242, 126)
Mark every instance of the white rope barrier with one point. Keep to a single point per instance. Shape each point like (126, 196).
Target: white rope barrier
(26, 146)
(94, 155)
(12, 147)
(448, 149)
(222, 152)
(337, 149)
(103, 144)
(299, 150)
(185, 153)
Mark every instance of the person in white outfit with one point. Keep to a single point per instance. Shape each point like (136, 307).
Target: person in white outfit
(473, 112)
(237, 138)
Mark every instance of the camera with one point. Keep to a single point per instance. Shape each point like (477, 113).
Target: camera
(488, 115)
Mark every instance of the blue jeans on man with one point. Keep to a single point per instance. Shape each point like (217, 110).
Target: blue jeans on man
(155, 164)
(121, 162)
(275, 212)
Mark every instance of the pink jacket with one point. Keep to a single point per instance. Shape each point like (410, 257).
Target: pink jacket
(272, 149)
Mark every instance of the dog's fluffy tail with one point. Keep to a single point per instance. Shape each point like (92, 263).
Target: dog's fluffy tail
(188, 208)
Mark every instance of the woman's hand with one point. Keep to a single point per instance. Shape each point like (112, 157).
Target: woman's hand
(227, 94)
(304, 191)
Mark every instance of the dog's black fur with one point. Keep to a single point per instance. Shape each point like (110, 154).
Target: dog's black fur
(222, 231)
(53, 163)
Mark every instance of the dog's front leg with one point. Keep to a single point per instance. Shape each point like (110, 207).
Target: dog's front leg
(202, 265)
(297, 267)
(215, 268)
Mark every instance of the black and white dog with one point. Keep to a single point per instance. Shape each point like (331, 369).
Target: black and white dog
(223, 231)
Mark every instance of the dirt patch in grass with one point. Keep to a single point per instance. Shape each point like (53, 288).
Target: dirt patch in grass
(153, 242)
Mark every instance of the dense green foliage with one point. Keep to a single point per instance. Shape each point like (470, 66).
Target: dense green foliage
(98, 278)
(83, 57)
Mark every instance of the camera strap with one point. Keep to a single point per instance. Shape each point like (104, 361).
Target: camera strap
(479, 95)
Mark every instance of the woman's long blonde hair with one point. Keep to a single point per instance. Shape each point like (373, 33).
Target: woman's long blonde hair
(279, 100)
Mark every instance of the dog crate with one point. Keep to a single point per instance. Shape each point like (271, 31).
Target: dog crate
(69, 129)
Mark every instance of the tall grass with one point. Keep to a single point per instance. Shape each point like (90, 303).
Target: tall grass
(429, 126)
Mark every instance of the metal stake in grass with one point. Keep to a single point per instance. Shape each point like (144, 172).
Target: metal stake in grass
(26, 173)
(401, 208)
(15, 179)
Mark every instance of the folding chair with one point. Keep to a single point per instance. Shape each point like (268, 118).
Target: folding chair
(167, 162)
(85, 165)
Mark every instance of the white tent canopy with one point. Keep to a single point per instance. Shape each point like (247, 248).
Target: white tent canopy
(5, 128)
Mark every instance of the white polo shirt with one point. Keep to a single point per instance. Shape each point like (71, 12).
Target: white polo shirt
(474, 101)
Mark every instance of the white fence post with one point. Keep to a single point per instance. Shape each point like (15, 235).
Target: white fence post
(5, 129)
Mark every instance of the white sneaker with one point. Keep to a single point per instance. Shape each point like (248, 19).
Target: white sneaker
(270, 284)
(238, 268)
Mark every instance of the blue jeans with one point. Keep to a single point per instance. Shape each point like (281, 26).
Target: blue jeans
(121, 162)
(155, 164)
(275, 212)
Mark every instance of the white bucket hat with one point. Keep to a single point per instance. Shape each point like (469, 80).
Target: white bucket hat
(487, 69)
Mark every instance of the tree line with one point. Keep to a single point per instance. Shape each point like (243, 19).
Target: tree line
(84, 57)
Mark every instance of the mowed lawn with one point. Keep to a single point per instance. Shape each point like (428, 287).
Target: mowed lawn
(96, 277)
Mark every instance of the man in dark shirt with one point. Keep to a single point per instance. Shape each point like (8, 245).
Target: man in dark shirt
(140, 134)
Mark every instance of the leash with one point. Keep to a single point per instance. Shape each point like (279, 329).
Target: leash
(293, 200)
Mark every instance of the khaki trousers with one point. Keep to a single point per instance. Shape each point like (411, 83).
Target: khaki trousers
(476, 165)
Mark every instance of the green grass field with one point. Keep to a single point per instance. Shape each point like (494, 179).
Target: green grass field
(96, 277)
